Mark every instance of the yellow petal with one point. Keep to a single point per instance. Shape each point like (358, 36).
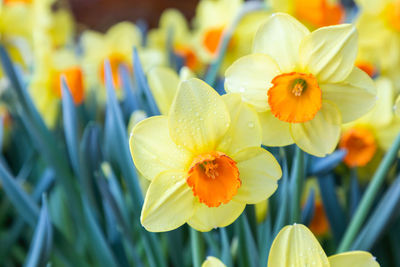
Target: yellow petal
(173, 19)
(206, 219)
(280, 38)
(382, 113)
(259, 172)
(296, 246)
(152, 149)
(386, 134)
(251, 76)
(123, 37)
(244, 123)
(169, 202)
(198, 117)
(212, 262)
(353, 259)
(274, 131)
(163, 83)
(319, 136)
(329, 52)
(354, 97)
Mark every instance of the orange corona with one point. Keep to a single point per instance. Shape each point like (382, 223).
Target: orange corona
(115, 60)
(214, 178)
(295, 97)
(360, 145)
(74, 79)
(188, 55)
(319, 13)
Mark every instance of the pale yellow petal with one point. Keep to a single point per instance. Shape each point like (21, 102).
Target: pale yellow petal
(163, 83)
(296, 246)
(251, 76)
(212, 262)
(206, 219)
(244, 130)
(353, 259)
(330, 52)
(198, 117)
(320, 135)
(169, 202)
(122, 37)
(259, 172)
(280, 38)
(274, 131)
(152, 149)
(354, 97)
(382, 113)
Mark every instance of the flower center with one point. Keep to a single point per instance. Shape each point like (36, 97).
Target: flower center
(7, 2)
(319, 13)
(188, 55)
(214, 178)
(74, 78)
(295, 97)
(367, 67)
(393, 14)
(212, 38)
(115, 59)
(360, 145)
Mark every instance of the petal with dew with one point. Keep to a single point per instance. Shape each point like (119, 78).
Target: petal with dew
(206, 219)
(320, 135)
(259, 173)
(280, 38)
(295, 245)
(169, 202)
(274, 131)
(353, 259)
(244, 123)
(153, 150)
(163, 83)
(198, 117)
(354, 97)
(330, 52)
(251, 76)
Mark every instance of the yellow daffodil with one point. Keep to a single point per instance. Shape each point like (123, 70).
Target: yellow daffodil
(212, 262)
(296, 246)
(173, 22)
(313, 13)
(379, 28)
(303, 85)
(376, 130)
(45, 86)
(211, 20)
(202, 164)
(116, 46)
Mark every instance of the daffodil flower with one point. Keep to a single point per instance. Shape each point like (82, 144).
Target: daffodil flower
(204, 160)
(303, 85)
(296, 246)
(212, 262)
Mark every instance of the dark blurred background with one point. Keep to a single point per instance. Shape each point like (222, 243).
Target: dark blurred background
(101, 14)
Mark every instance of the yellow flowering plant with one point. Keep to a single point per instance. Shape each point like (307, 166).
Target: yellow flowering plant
(303, 85)
(214, 171)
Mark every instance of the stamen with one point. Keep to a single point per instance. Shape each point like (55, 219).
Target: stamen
(299, 85)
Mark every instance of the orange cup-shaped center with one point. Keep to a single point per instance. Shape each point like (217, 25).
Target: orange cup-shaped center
(319, 224)
(360, 145)
(115, 59)
(214, 178)
(74, 79)
(188, 55)
(393, 14)
(7, 2)
(319, 13)
(212, 39)
(295, 97)
(367, 67)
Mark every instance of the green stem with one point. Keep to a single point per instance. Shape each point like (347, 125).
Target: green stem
(197, 250)
(297, 178)
(369, 196)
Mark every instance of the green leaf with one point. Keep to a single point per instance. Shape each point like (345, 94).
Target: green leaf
(41, 245)
(247, 241)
